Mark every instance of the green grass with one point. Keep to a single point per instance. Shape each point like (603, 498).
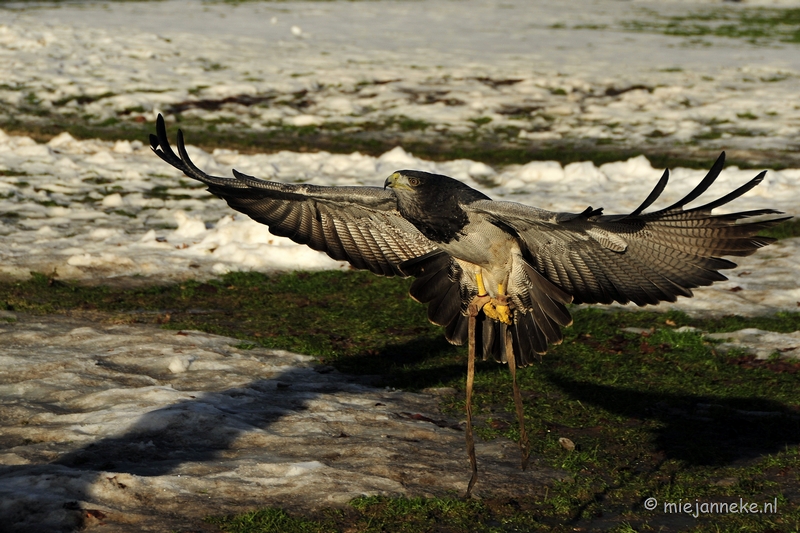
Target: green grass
(661, 415)
(784, 230)
(755, 25)
(267, 521)
(369, 515)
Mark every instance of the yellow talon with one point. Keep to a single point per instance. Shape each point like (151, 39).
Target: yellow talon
(490, 310)
(503, 312)
(500, 312)
(497, 308)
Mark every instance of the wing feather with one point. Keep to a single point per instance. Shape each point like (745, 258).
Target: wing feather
(360, 225)
(640, 257)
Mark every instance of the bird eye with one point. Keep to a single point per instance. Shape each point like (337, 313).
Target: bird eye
(413, 181)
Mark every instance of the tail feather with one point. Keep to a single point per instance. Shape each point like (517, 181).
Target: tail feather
(490, 339)
(527, 343)
(438, 285)
(446, 306)
(457, 330)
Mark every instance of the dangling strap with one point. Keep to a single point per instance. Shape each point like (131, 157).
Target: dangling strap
(524, 443)
(470, 381)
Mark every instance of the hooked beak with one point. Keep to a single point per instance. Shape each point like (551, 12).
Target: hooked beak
(397, 181)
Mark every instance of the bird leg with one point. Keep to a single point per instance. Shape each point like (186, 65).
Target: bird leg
(524, 443)
(496, 308)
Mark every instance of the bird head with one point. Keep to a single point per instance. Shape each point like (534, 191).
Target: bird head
(432, 202)
(431, 188)
(407, 180)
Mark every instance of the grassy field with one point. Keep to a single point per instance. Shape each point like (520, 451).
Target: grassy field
(657, 414)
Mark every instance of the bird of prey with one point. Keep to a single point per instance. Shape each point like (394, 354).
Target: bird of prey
(498, 274)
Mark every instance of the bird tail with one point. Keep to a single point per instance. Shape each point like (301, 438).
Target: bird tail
(438, 283)
(527, 338)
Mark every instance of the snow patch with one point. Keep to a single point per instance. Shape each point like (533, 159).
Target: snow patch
(104, 417)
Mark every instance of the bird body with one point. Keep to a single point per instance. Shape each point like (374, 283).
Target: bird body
(459, 244)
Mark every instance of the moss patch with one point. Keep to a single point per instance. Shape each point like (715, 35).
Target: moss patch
(494, 147)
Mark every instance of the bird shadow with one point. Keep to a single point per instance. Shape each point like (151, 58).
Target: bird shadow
(416, 364)
(187, 431)
(699, 429)
(695, 428)
(160, 442)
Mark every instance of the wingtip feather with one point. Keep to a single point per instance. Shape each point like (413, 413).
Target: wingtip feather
(703, 186)
(654, 194)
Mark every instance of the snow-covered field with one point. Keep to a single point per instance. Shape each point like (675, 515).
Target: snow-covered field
(142, 428)
(530, 69)
(114, 210)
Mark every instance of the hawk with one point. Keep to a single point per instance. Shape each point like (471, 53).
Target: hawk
(499, 274)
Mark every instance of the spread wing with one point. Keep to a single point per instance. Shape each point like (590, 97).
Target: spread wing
(640, 258)
(360, 225)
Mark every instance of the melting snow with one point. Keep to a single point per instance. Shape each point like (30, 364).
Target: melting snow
(762, 344)
(531, 65)
(94, 210)
(151, 430)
